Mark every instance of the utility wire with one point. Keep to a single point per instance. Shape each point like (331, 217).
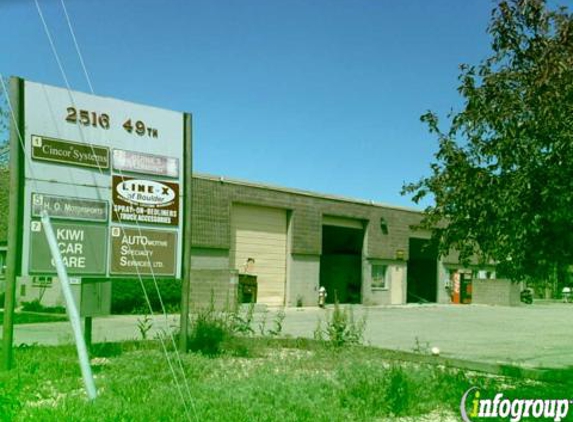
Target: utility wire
(54, 51)
(66, 81)
(162, 305)
(148, 302)
(77, 46)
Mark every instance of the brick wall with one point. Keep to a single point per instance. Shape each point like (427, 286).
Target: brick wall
(213, 199)
(495, 292)
(220, 285)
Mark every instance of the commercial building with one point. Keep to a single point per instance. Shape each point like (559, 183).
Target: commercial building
(296, 241)
(293, 242)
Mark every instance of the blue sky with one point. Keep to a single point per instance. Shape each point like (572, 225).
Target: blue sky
(317, 95)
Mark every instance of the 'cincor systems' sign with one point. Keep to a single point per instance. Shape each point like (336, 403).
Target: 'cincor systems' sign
(72, 153)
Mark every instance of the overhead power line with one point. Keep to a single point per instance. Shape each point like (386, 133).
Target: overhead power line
(88, 79)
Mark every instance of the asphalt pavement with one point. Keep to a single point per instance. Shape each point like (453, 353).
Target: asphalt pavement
(538, 335)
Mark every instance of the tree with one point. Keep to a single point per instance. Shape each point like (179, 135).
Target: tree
(502, 179)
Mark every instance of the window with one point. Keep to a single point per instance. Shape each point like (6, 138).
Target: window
(379, 272)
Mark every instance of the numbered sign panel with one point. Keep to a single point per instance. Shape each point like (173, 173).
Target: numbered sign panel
(143, 252)
(82, 246)
(97, 162)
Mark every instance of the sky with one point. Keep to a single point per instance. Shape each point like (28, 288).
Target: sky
(319, 95)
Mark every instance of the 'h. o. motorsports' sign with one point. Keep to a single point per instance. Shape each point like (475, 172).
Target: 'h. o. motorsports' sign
(109, 173)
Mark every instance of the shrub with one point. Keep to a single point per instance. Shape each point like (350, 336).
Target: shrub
(36, 306)
(127, 295)
(215, 332)
(208, 332)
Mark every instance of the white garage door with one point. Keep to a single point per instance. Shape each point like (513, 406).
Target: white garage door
(261, 233)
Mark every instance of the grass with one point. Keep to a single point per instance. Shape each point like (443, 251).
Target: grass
(33, 318)
(293, 380)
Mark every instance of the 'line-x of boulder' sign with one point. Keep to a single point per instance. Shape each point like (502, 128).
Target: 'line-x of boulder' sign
(145, 201)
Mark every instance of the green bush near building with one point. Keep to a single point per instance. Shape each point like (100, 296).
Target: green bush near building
(128, 297)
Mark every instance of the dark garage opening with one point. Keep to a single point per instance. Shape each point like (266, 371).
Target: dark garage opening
(422, 271)
(341, 263)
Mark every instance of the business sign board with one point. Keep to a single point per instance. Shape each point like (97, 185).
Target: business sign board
(82, 247)
(143, 252)
(137, 162)
(80, 146)
(72, 153)
(69, 208)
(145, 201)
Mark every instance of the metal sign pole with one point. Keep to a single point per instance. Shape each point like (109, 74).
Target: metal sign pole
(73, 313)
(187, 218)
(14, 226)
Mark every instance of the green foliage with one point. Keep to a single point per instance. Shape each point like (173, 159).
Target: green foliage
(127, 295)
(240, 322)
(36, 306)
(209, 330)
(9, 404)
(400, 392)
(136, 384)
(341, 328)
(502, 178)
(213, 332)
(33, 318)
(277, 324)
(278, 321)
(144, 324)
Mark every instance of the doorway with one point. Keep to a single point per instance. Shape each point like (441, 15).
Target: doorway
(341, 263)
(422, 271)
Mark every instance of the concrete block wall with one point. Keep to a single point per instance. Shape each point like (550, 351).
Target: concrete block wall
(211, 234)
(395, 291)
(495, 292)
(304, 280)
(213, 199)
(49, 294)
(219, 284)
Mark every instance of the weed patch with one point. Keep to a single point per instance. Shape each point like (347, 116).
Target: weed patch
(312, 383)
(341, 328)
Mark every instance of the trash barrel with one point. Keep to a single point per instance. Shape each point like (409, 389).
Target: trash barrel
(247, 288)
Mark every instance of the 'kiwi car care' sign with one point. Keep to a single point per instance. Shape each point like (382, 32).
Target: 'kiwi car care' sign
(145, 201)
(82, 246)
(143, 252)
(100, 166)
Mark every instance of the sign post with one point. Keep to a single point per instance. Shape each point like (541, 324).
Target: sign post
(71, 309)
(14, 221)
(186, 284)
(113, 177)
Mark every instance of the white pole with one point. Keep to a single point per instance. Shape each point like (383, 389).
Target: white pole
(71, 307)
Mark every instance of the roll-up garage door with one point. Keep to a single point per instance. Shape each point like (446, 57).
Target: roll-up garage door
(260, 233)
